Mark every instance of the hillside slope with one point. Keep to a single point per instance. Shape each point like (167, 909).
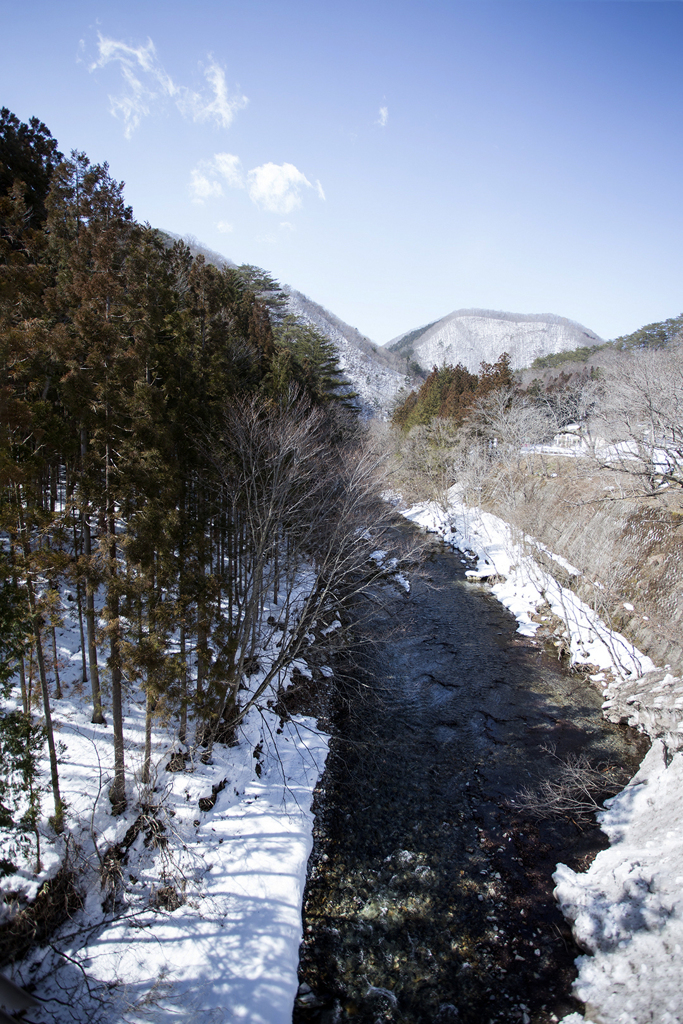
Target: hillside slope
(376, 373)
(470, 336)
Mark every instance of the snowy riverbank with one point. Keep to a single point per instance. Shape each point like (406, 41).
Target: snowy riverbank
(627, 909)
(198, 917)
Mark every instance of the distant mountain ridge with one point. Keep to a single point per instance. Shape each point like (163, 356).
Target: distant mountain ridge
(468, 336)
(473, 336)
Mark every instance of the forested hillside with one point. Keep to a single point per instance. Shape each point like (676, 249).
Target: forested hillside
(450, 391)
(174, 449)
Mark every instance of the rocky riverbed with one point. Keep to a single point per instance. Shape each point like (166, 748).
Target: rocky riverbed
(429, 895)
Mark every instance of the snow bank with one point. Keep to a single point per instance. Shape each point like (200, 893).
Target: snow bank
(203, 924)
(523, 586)
(627, 909)
(653, 704)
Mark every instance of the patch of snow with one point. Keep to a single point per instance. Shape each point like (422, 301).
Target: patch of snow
(652, 703)
(627, 909)
(403, 581)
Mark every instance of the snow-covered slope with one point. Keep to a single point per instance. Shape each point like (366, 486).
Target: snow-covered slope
(375, 372)
(470, 336)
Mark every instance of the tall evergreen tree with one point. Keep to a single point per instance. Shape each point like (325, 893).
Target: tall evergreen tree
(28, 154)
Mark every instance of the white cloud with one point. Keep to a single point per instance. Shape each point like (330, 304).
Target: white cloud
(277, 187)
(146, 83)
(383, 116)
(230, 168)
(286, 226)
(224, 227)
(204, 178)
(202, 187)
(273, 187)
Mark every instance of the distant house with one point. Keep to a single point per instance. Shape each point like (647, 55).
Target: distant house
(570, 436)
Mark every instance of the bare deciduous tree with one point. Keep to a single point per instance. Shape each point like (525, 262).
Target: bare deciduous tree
(576, 791)
(310, 513)
(641, 418)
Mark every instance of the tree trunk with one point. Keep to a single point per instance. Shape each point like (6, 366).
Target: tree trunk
(150, 705)
(84, 663)
(58, 685)
(182, 727)
(58, 821)
(117, 791)
(97, 715)
(22, 682)
(79, 604)
(202, 656)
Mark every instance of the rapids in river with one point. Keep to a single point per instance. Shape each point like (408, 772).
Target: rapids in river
(429, 893)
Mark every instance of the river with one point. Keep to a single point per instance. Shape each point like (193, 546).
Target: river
(429, 895)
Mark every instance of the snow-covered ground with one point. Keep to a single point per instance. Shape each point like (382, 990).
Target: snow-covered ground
(203, 923)
(627, 909)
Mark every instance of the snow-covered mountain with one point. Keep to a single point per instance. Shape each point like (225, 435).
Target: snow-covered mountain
(470, 336)
(376, 373)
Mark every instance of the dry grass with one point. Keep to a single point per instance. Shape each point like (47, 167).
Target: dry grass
(628, 547)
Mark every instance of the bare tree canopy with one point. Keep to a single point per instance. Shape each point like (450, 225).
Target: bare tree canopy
(641, 418)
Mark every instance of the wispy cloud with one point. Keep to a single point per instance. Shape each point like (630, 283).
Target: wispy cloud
(146, 84)
(225, 227)
(221, 107)
(205, 178)
(202, 187)
(383, 116)
(230, 168)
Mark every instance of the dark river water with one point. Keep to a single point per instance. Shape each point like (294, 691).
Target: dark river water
(429, 896)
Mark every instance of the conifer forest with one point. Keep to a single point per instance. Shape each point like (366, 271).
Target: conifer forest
(174, 447)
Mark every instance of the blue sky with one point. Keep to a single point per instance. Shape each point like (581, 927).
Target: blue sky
(392, 160)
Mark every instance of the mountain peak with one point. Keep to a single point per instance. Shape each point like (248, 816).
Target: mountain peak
(473, 336)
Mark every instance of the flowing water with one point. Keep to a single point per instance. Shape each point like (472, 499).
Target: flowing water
(429, 896)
